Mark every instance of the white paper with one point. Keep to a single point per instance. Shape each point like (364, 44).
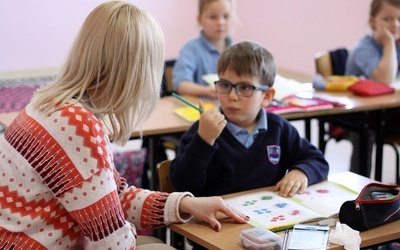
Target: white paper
(285, 87)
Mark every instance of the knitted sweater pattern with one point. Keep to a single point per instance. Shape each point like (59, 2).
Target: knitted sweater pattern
(59, 188)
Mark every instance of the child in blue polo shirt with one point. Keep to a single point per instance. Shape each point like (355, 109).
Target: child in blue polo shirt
(240, 146)
(376, 56)
(199, 56)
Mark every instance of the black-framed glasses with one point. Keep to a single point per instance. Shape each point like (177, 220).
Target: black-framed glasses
(242, 89)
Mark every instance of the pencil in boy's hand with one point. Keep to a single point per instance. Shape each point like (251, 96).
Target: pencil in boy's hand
(180, 98)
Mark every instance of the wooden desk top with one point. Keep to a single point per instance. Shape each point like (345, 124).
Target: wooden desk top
(353, 103)
(228, 237)
(162, 121)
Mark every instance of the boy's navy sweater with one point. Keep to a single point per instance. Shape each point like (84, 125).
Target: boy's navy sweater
(228, 166)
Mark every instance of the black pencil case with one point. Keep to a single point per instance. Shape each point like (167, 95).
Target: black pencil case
(377, 204)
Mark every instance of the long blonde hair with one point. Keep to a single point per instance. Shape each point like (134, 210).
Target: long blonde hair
(117, 63)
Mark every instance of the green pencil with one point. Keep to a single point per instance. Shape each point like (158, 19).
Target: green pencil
(280, 228)
(180, 98)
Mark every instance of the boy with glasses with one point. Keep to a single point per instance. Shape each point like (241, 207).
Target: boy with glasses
(239, 146)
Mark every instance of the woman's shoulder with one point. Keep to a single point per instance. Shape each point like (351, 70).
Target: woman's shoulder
(75, 109)
(69, 114)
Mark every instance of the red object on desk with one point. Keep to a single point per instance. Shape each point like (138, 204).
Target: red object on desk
(367, 87)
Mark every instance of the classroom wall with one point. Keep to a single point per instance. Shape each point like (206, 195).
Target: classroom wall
(35, 35)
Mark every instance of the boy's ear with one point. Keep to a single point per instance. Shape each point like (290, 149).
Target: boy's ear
(268, 97)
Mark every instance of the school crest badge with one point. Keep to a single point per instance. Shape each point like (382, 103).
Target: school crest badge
(274, 154)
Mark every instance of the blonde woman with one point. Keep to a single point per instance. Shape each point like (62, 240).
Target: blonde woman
(59, 188)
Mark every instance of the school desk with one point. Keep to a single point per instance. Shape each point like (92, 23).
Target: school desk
(356, 104)
(163, 122)
(228, 237)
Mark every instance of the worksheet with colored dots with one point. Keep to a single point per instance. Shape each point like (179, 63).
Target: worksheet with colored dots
(269, 209)
(326, 197)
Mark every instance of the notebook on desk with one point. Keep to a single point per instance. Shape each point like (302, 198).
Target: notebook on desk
(210, 78)
(270, 210)
(301, 102)
(285, 87)
(190, 114)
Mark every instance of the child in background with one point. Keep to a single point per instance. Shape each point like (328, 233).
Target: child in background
(376, 56)
(59, 187)
(199, 56)
(239, 146)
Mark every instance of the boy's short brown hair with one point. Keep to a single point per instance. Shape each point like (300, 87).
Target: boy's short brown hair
(249, 59)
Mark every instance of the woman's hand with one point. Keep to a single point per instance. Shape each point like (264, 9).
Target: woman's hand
(206, 208)
(295, 181)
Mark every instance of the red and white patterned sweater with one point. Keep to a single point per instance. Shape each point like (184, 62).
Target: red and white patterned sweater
(59, 188)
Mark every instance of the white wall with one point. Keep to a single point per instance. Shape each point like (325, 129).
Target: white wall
(36, 35)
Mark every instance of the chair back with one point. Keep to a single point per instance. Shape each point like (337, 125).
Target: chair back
(167, 84)
(163, 176)
(331, 62)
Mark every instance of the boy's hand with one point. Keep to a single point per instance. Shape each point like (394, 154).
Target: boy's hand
(211, 124)
(295, 181)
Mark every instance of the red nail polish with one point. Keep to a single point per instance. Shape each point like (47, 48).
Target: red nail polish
(216, 228)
